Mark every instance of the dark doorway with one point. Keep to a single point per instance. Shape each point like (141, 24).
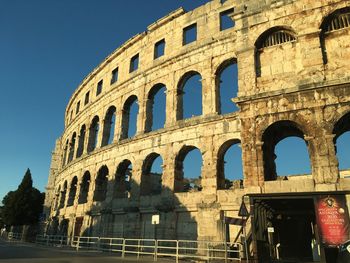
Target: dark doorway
(285, 229)
(77, 226)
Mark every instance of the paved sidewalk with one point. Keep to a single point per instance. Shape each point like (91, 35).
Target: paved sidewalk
(12, 252)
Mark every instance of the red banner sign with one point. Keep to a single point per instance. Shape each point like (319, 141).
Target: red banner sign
(332, 219)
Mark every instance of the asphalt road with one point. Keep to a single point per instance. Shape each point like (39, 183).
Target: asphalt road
(30, 253)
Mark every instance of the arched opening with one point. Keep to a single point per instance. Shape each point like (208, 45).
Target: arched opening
(129, 119)
(93, 134)
(81, 141)
(155, 108)
(342, 142)
(229, 166)
(84, 188)
(65, 150)
(72, 191)
(332, 36)
(274, 50)
(123, 180)
(226, 86)
(108, 127)
(72, 147)
(189, 96)
(152, 171)
(294, 150)
(188, 169)
(101, 182)
(63, 195)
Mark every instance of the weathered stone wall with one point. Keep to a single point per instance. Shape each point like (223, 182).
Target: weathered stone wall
(291, 86)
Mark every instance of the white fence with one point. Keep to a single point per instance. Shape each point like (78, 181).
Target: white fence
(176, 249)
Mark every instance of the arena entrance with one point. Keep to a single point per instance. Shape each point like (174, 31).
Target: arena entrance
(285, 229)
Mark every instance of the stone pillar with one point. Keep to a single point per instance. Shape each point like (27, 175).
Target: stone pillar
(209, 222)
(136, 179)
(86, 139)
(209, 173)
(118, 121)
(171, 106)
(323, 158)
(311, 54)
(77, 193)
(208, 91)
(252, 155)
(168, 170)
(141, 116)
(246, 72)
(100, 133)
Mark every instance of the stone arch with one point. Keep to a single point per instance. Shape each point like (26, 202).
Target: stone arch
(154, 99)
(81, 141)
(226, 88)
(182, 182)
(84, 188)
(189, 96)
(130, 105)
(275, 133)
(275, 36)
(341, 131)
(63, 195)
(72, 147)
(72, 191)
(337, 20)
(93, 134)
(223, 181)
(123, 177)
(101, 183)
(109, 126)
(151, 181)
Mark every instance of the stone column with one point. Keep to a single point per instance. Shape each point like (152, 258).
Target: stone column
(208, 90)
(136, 179)
(168, 170)
(141, 116)
(100, 133)
(118, 121)
(246, 72)
(209, 173)
(171, 105)
(311, 54)
(323, 159)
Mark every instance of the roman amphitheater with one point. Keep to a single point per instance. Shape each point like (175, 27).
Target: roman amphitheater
(292, 60)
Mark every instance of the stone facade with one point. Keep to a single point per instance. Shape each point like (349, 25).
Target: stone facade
(293, 80)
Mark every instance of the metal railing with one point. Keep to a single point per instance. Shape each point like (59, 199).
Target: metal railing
(52, 240)
(176, 249)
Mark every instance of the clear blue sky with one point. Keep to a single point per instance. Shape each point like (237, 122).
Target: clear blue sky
(46, 48)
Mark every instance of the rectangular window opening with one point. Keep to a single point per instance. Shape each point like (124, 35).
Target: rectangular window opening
(159, 49)
(114, 75)
(222, 1)
(225, 20)
(134, 63)
(87, 97)
(78, 107)
(189, 34)
(99, 87)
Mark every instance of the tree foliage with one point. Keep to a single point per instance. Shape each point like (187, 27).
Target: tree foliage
(23, 206)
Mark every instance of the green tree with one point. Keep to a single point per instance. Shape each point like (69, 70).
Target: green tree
(23, 206)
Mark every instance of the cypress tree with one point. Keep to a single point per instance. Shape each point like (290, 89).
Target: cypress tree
(23, 206)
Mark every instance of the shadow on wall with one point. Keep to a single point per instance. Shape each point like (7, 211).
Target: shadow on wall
(122, 208)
